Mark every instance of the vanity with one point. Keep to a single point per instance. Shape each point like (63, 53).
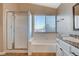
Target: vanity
(67, 46)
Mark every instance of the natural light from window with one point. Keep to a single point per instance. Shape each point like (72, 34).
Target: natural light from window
(44, 24)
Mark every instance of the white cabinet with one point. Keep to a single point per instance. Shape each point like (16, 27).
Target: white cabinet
(65, 46)
(63, 49)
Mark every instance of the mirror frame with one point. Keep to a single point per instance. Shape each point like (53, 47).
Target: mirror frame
(74, 16)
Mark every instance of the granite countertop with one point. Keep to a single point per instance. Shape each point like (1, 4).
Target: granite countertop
(70, 39)
(74, 42)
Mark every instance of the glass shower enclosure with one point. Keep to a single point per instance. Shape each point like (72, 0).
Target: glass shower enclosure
(18, 29)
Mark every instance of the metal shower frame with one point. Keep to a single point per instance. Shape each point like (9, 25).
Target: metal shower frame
(13, 46)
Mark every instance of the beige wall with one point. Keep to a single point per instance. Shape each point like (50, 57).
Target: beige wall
(35, 9)
(65, 12)
(10, 6)
(1, 26)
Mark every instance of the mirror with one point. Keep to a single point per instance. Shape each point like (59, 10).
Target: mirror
(76, 16)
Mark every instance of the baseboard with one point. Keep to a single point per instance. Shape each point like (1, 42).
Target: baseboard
(16, 54)
(2, 53)
(43, 54)
(19, 49)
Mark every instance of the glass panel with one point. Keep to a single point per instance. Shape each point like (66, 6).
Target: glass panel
(50, 24)
(21, 30)
(10, 30)
(39, 24)
(30, 26)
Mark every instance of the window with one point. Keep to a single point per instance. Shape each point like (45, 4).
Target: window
(39, 25)
(50, 24)
(44, 24)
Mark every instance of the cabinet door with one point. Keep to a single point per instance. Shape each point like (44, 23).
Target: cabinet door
(65, 54)
(59, 51)
(74, 51)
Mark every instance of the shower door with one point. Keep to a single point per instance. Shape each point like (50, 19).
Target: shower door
(10, 30)
(17, 30)
(21, 30)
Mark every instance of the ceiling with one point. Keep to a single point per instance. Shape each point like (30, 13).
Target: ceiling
(52, 5)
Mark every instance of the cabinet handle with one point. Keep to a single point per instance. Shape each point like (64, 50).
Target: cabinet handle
(61, 49)
(74, 53)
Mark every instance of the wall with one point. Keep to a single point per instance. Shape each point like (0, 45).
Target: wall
(65, 12)
(1, 27)
(35, 9)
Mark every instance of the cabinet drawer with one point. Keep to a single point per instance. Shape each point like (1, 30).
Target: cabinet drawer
(62, 52)
(58, 52)
(64, 46)
(75, 51)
